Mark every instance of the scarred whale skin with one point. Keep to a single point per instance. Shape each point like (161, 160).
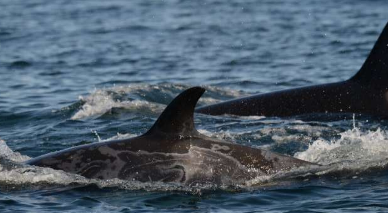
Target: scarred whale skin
(364, 93)
(171, 151)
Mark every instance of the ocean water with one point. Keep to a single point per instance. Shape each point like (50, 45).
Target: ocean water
(79, 72)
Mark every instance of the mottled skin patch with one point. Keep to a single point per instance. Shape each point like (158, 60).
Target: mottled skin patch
(171, 151)
(168, 158)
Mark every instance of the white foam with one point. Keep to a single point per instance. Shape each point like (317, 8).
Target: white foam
(252, 117)
(6, 152)
(288, 138)
(284, 176)
(208, 100)
(221, 91)
(353, 146)
(31, 175)
(102, 100)
(297, 132)
(222, 135)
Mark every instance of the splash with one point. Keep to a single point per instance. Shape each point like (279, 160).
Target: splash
(140, 98)
(353, 145)
(7, 153)
(354, 153)
(102, 101)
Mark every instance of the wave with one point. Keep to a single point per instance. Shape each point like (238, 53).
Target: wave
(7, 153)
(353, 146)
(141, 98)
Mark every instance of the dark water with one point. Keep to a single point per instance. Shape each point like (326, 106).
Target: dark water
(76, 72)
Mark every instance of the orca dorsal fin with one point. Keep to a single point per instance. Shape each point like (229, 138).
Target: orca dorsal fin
(178, 117)
(375, 68)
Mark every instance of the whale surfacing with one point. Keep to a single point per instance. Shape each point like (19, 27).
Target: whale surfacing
(171, 151)
(364, 93)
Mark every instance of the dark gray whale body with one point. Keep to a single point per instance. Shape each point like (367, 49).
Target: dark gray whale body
(364, 93)
(171, 151)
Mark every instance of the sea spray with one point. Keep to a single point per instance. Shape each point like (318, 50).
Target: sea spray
(353, 145)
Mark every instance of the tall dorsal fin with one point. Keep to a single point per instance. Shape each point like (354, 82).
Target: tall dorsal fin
(375, 68)
(178, 117)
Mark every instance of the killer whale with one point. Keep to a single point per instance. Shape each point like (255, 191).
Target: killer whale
(364, 93)
(172, 150)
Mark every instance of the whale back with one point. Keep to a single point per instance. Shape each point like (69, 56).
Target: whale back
(374, 71)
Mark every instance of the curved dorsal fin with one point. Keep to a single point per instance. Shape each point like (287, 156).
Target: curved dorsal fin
(178, 117)
(375, 68)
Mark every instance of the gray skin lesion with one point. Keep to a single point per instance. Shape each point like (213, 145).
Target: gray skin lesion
(171, 151)
(189, 161)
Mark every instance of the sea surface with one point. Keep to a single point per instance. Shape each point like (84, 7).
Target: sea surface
(79, 72)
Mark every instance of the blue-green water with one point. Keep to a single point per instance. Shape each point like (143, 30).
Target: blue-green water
(76, 72)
